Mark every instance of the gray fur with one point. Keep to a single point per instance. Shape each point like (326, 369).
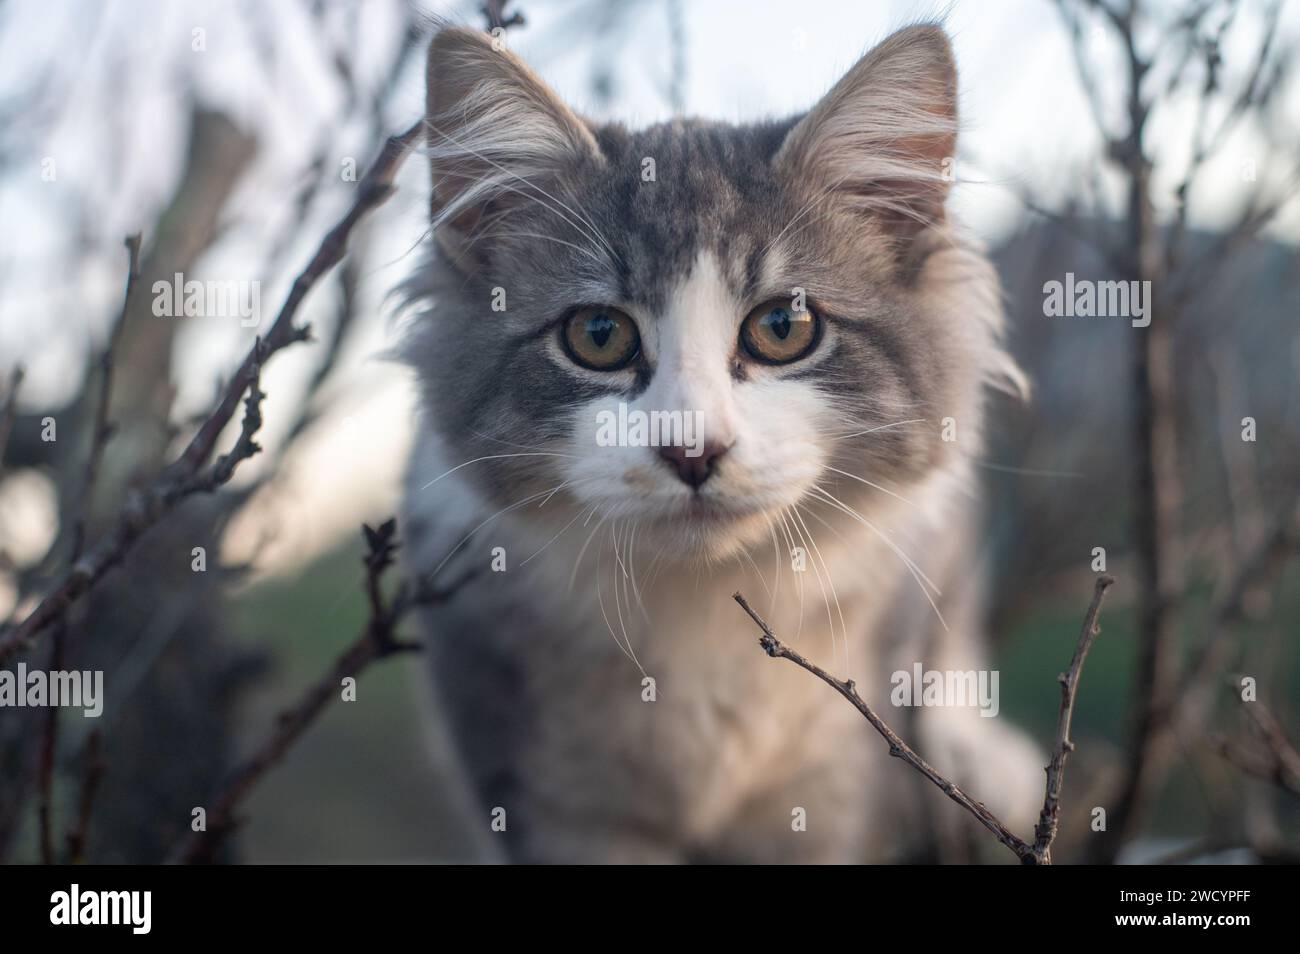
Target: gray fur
(541, 684)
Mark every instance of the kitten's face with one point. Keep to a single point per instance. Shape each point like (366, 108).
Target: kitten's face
(742, 295)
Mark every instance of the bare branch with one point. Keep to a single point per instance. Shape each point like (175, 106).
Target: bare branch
(98, 439)
(94, 772)
(185, 476)
(9, 412)
(1086, 80)
(494, 11)
(103, 429)
(1261, 566)
(1040, 851)
(1279, 762)
(377, 641)
(1048, 819)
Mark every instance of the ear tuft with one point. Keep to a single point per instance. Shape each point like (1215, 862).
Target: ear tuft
(494, 129)
(884, 137)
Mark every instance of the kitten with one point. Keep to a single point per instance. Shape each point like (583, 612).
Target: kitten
(796, 288)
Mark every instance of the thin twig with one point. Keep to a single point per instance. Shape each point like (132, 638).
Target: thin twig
(377, 641)
(186, 476)
(103, 428)
(1029, 854)
(494, 11)
(1279, 763)
(1260, 567)
(1049, 817)
(9, 411)
(94, 771)
(100, 434)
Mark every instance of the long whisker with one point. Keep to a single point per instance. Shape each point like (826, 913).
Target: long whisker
(491, 457)
(845, 508)
(917, 575)
(789, 537)
(884, 427)
(600, 599)
(514, 506)
(1028, 472)
(776, 556)
(528, 447)
(578, 560)
(558, 535)
(757, 572)
(883, 490)
(817, 557)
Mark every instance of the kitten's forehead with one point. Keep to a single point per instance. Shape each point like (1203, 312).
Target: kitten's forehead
(674, 192)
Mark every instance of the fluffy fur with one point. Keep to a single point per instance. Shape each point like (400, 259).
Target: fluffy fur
(617, 571)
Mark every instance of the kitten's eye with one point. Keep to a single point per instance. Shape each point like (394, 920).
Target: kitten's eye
(599, 338)
(775, 333)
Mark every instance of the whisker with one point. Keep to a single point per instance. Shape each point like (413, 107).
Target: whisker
(491, 457)
(917, 575)
(514, 506)
(884, 427)
(1028, 472)
(600, 600)
(558, 535)
(883, 490)
(844, 630)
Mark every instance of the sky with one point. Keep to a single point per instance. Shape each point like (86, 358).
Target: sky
(1025, 127)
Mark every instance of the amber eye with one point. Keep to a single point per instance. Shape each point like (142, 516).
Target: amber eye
(775, 333)
(599, 338)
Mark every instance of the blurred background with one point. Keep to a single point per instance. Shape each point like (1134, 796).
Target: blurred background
(232, 135)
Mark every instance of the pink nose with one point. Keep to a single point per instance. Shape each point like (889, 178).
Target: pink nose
(693, 470)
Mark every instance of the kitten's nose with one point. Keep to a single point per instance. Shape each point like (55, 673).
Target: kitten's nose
(693, 470)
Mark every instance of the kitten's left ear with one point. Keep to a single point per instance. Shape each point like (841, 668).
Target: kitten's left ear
(883, 138)
(496, 133)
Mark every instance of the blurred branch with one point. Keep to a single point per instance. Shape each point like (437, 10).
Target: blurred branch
(9, 411)
(93, 773)
(494, 11)
(1279, 763)
(99, 437)
(378, 640)
(1149, 253)
(103, 429)
(1040, 852)
(1088, 82)
(186, 475)
(1260, 567)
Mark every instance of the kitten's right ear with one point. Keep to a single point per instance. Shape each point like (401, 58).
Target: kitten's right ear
(493, 130)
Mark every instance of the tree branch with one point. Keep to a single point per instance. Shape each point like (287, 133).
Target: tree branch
(185, 476)
(98, 439)
(1048, 818)
(94, 772)
(9, 412)
(1280, 762)
(378, 640)
(1040, 851)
